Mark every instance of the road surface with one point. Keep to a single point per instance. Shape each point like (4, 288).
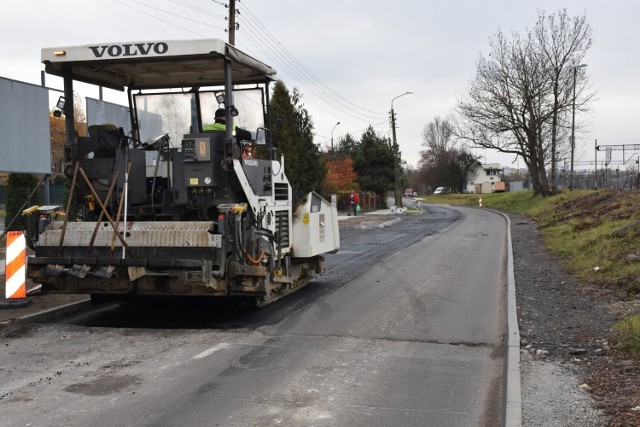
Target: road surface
(405, 328)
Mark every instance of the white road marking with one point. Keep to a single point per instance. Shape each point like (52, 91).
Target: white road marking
(212, 350)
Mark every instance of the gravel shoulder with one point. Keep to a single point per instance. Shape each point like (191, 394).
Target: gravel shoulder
(566, 333)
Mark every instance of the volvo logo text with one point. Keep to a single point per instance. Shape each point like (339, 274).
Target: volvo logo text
(138, 49)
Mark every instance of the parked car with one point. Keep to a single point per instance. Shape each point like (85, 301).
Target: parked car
(442, 190)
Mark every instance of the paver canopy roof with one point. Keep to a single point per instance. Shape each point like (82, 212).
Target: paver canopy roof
(156, 64)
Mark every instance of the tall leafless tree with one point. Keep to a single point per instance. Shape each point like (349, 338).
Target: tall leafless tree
(437, 141)
(563, 43)
(523, 91)
(441, 162)
(437, 135)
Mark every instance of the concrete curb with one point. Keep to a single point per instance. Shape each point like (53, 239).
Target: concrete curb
(56, 313)
(15, 303)
(512, 400)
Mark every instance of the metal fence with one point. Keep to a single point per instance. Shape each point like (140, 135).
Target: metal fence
(57, 194)
(368, 201)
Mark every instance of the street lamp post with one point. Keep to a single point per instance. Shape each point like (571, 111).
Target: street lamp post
(334, 128)
(396, 155)
(573, 121)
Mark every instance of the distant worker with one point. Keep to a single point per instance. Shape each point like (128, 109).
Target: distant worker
(354, 199)
(247, 151)
(221, 124)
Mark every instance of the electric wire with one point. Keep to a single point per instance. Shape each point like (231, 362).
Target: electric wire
(312, 78)
(198, 9)
(358, 132)
(159, 19)
(260, 37)
(331, 104)
(176, 15)
(269, 52)
(301, 66)
(283, 64)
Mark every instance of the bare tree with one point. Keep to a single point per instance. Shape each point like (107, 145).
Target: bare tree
(563, 43)
(522, 92)
(442, 163)
(437, 135)
(435, 157)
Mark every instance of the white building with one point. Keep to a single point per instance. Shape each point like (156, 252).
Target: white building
(487, 179)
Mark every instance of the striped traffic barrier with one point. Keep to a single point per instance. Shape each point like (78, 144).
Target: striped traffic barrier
(15, 273)
(480, 201)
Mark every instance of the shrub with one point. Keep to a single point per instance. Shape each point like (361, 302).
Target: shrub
(19, 188)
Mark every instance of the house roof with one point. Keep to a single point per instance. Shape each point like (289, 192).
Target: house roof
(491, 166)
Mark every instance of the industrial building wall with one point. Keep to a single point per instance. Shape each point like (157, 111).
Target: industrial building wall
(25, 137)
(101, 112)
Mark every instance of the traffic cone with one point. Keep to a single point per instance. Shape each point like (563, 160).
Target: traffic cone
(15, 271)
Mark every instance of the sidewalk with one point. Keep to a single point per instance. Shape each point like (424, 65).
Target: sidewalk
(369, 220)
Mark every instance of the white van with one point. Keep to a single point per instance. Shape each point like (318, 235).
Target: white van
(442, 190)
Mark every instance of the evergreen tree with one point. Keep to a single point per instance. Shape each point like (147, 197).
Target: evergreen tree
(293, 138)
(373, 162)
(347, 146)
(312, 169)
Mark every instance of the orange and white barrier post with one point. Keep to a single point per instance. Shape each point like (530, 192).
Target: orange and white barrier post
(15, 272)
(480, 201)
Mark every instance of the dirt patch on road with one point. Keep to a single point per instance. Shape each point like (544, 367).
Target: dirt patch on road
(38, 304)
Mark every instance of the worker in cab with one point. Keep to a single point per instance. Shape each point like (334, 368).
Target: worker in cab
(220, 123)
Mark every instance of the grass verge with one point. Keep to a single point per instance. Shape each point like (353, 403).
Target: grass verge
(630, 329)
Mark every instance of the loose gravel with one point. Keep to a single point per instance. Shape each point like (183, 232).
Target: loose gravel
(565, 329)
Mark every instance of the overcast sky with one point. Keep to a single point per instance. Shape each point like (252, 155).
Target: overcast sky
(350, 58)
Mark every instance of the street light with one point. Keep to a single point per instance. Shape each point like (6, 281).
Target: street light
(334, 128)
(573, 121)
(396, 155)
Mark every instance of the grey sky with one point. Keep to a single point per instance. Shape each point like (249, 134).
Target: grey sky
(363, 52)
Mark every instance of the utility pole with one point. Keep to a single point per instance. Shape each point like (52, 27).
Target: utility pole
(596, 166)
(232, 22)
(573, 126)
(334, 128)
(396, 155)
(573, 121)
(396, 189)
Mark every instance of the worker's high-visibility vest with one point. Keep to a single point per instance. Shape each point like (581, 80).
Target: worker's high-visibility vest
(218, 126)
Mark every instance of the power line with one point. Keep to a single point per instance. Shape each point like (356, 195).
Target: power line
(312, 78)
(260, 37)
(157, 18)
(355, 132)
(161, 19)
(299, 75)
(176, 15)
(200, 9)
(271, 53)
